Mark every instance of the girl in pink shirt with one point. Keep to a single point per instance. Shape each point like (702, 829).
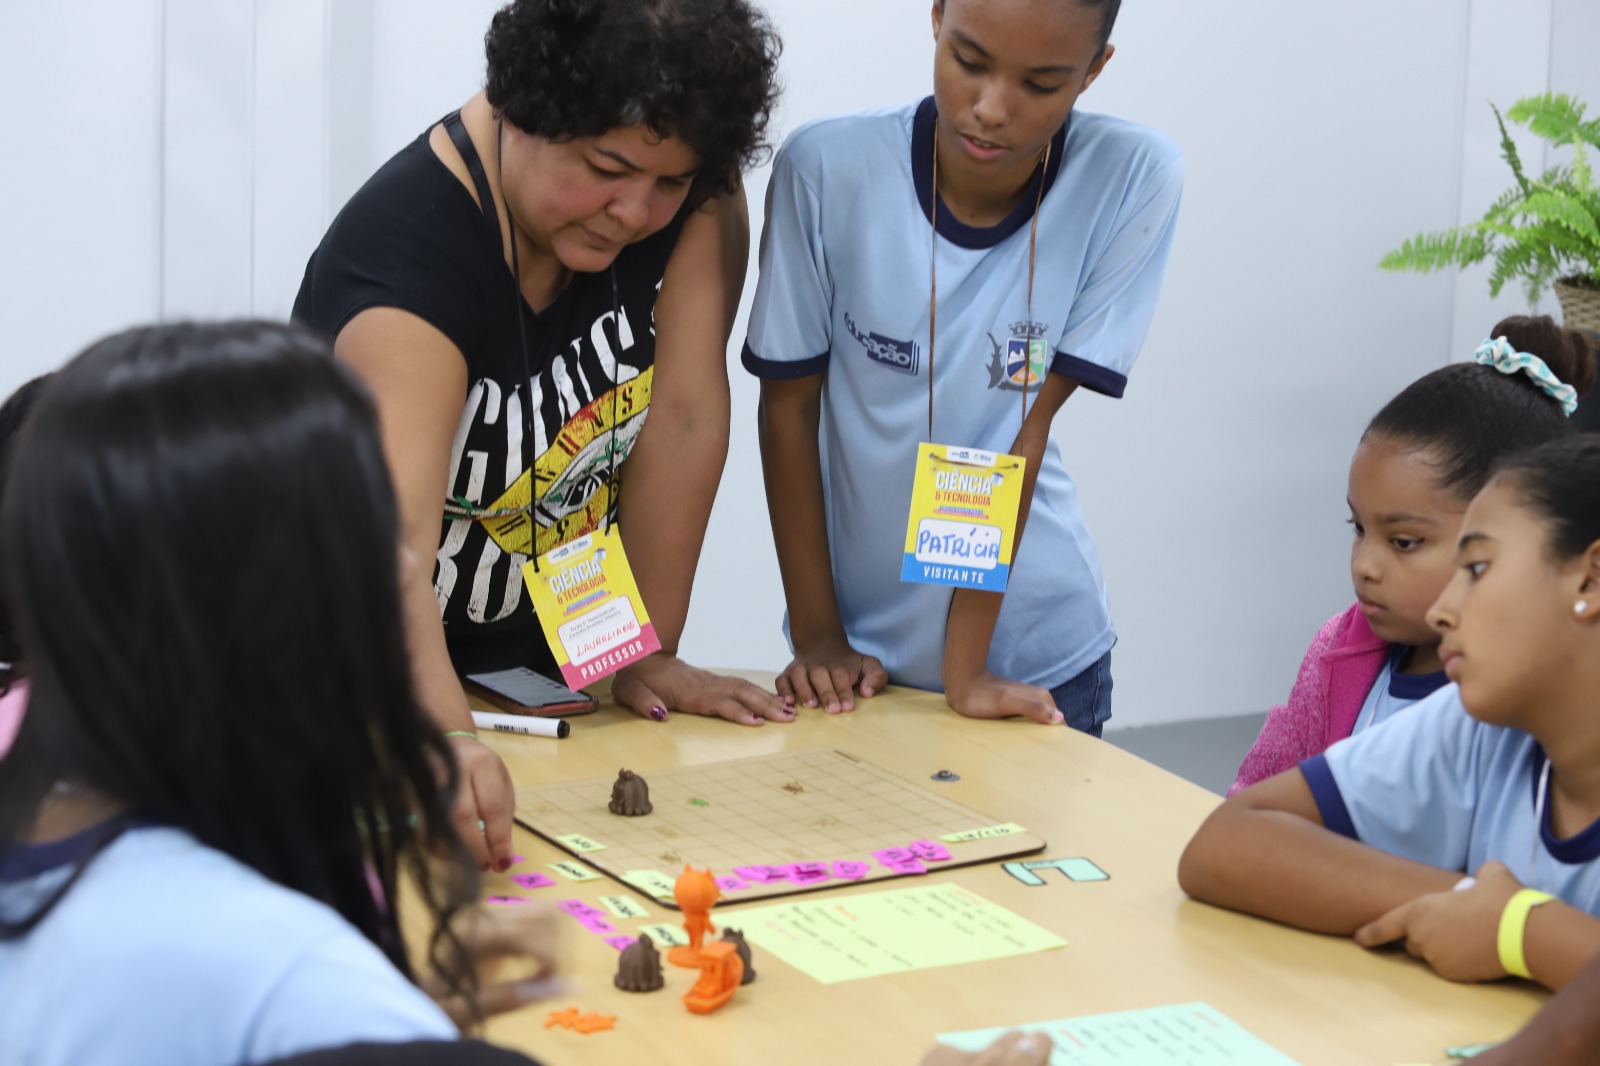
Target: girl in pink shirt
(1418, 465)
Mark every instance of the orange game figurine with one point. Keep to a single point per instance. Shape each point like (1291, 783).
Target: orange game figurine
(721, 970)
(696, 892)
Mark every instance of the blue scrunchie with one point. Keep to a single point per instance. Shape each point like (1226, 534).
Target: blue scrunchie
(1499, 354)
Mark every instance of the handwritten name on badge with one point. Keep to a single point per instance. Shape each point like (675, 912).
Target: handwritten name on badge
(589, 607)
(962, 526)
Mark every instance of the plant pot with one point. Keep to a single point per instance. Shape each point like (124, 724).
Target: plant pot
(1580, 305)
(1580, 310)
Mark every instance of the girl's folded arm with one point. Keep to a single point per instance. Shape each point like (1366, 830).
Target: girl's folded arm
(1559, 941)
(1265, 852)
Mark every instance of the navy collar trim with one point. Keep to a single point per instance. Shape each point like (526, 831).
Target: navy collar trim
(1583, 846)
(953, 229)
(31, 860)
(1412, 686)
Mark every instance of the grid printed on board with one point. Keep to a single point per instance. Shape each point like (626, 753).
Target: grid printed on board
(816, 805)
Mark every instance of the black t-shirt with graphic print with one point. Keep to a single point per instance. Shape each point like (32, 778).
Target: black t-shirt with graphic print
(413, 238)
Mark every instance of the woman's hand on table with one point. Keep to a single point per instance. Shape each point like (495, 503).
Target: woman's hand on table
(499, 937)
(987, 696)
(660, 683)
(1013, 1049)
(828, 675)
(484, 803)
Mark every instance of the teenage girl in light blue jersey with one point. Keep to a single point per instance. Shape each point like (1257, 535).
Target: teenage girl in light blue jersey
(1496, 776)
(952, 271)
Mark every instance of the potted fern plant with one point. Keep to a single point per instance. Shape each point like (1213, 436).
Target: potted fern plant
(1542, 231)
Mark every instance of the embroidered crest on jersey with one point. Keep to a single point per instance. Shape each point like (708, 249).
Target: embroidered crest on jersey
(904, 356)
(1024, 360)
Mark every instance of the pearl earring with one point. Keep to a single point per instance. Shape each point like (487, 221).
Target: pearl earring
(1580, 607)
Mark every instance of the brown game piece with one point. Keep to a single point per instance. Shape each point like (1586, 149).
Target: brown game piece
(639, 969)
(630, 796)
(736, 938)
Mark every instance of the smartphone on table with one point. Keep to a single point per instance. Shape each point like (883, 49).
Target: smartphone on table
(521, 690)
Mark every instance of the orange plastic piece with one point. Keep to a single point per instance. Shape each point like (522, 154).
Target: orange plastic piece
(696, 892)
(721, 970)
(563, 1018)
(593, 1023)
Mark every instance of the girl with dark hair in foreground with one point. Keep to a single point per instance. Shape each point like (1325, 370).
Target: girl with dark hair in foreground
(222, 773)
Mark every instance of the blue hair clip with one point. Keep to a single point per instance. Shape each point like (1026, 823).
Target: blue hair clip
(1499, 354)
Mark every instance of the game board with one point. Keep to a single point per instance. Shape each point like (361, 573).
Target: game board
(808, 807)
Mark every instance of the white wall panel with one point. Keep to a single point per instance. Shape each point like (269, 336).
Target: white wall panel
(80, 234)
(192, 159)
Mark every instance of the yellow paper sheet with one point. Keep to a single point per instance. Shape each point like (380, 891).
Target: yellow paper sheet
(623, 907)
(579, 842)
(670, 935)
(846, 938)
(988, 832)
(652, 882)
(573, 871)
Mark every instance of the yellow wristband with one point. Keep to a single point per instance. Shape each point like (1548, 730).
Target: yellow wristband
(1514, 928)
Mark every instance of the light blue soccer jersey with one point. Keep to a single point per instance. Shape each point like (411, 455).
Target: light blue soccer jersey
(844, 292)
(166, 951)
(1393, 692)
(1435, 785)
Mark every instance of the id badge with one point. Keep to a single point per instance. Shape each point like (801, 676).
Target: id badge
(589, 608)
(963, 520)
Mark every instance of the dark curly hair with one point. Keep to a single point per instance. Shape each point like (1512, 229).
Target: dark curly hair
(703, 71)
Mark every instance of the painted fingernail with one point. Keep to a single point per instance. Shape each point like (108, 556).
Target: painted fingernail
(659, 714)
(505, 864)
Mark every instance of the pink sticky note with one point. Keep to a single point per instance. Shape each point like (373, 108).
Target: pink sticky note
(761, 874)
(516, 859)
(851, 871)
(504, 899)
(930, 851)
(579, 909)
(620, 942)
(807, 873)
(532, 880)
(909, 867)
(894, 856)
(596, 924)
(731, 884)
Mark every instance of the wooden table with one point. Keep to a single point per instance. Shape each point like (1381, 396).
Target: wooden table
(1134, 941)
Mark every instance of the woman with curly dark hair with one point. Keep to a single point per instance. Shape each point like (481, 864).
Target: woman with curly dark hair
(518, 287)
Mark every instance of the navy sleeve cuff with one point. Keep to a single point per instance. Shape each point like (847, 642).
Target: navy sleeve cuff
(783, 369)
(1092, 376)
(1330, 802)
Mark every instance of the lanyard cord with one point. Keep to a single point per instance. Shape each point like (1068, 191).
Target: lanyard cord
(1541, 800)
(522, 335)
(933, 281)
(462, 508)
(616, 369)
